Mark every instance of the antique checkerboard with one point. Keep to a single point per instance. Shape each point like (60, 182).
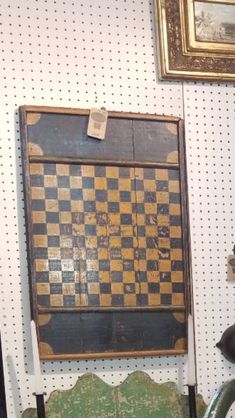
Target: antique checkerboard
(106, 236)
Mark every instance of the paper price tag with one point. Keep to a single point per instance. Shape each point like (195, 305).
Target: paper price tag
(97, 123)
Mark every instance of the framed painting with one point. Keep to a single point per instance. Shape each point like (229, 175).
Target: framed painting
(196, 38)
(107, 227)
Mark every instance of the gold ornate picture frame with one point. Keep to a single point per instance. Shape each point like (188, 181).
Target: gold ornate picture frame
(196, 38)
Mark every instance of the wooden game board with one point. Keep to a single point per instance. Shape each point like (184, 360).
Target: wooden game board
(107, 230)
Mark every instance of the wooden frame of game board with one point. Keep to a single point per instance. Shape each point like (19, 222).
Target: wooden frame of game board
(55, 159)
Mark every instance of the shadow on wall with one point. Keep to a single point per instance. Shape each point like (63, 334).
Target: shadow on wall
(15, 388)
(3, 412)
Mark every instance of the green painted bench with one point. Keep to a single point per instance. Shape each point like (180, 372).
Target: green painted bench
(137, 397)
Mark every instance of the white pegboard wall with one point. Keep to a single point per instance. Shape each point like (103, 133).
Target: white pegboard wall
(210, 122)
(81, 54)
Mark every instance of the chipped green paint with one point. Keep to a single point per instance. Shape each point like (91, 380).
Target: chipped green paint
(137, 397)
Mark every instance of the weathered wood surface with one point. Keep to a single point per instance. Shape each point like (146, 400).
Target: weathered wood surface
(138, 397)
(107, 233)
(112, 331)
(126, 139)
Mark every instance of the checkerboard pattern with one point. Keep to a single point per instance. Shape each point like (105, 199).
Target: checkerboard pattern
(159, 232)
(106, 236)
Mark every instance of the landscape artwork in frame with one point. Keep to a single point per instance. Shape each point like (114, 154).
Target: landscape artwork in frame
(196, 39)
(214, 22)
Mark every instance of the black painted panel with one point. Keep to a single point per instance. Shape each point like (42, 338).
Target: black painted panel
(97, 332)
(155, 141)
(164, 334)
(63, 333)
(128, 331)
(66, 136)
